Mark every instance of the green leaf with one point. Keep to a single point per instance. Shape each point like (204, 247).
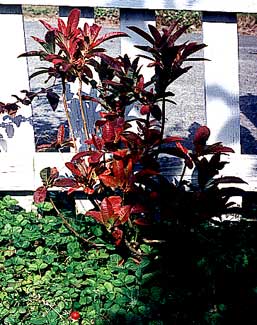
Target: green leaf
(117, 283)
(130, 265)
(103, 254)
(45, 206)
(33, 267)
(39, 250)
(145, 248)
(156, 293)
(129, 279)
(90, 282)
(9, 201)
(89, 271)
(86, 300)
(45, 175)
(108, 286)
(97, 231)
(38, 321)
(143, 310)
(148, 277)
(115, 309)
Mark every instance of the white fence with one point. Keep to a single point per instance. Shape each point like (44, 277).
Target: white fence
(20, 164)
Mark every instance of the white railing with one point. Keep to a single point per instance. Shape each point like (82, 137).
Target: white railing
(20, 164)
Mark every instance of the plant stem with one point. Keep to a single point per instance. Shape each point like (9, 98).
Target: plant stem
(82, 111)
(163, 118)
(182, 175)
(69, 226)
(65, 104)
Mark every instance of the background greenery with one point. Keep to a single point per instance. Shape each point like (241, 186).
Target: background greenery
(247, 23)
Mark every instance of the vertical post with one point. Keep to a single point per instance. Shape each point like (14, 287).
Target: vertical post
(221, 78)
(16, 132)
(141, 19)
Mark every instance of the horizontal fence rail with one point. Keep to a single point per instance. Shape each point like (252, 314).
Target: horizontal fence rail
(20, 164)
(247, 6)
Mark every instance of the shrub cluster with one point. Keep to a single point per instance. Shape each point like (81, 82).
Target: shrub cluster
(144, 252)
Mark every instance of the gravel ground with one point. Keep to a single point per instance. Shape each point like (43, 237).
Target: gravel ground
(189, 111)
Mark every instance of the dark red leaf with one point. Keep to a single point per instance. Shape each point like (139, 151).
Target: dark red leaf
(174, 151)
(39, 40)
(115, 201)
(145, 109)
(80, 155)
(142, 33)
(107, 211)
(108, 36)
(142, 222)
(53, 99)
(117, 235)
(93, 99)
(31, 53)
(96, 215)
(156, 112)
(120, 154)
(118, 169)
(154, 31)
(61, 26)
(73, 168)
(65, 182)
(94, 31)
(108, 132)
(88, 71)
(140, 84)
(73, 21)
(73, 189)
(95, 157)
(217, 148)
(181, 147)
(109, 181)
(54, 173)
(138, 208)
(46, 25)
(40, 194)
(172, 139)
(97, 142)
(229, 179)
(201, 136)
(60, 134)
(173, 37)
(124, 214)
(191, 48)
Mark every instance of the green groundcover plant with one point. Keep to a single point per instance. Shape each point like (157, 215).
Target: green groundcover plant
(202, 275)
(145, 253)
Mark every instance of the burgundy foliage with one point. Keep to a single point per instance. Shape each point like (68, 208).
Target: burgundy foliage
(120, 171)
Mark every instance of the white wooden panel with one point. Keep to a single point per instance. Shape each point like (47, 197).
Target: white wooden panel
(201, 5)
(221, 78)
(16, 133)
(50, 159)
(14, 176)
(17, 172)
(141, 19)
